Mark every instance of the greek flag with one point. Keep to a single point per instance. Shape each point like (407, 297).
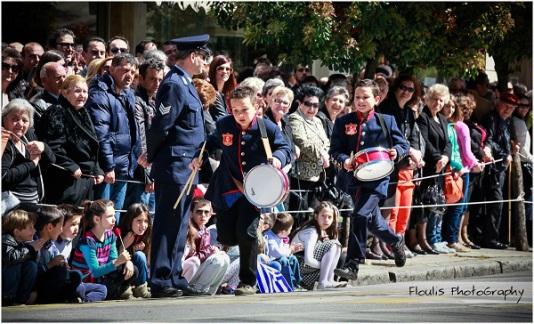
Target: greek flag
(271, 280)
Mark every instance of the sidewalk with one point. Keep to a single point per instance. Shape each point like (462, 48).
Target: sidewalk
(445, 266)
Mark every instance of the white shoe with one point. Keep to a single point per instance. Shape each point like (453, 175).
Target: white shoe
(440, 248)
(446, 247)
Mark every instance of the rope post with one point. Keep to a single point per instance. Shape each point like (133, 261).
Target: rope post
(510, 203)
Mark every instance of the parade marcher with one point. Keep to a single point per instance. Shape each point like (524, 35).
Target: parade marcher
(174, 139)
(239, 138)
(356, 131)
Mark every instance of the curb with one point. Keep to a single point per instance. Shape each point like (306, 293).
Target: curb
(443, 272)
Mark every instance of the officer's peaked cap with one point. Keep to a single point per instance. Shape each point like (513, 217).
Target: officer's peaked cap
(197, 42)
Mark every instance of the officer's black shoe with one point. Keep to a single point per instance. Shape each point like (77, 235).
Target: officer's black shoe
(349, 271)
(167, 292)
(191, 291)
(399, 252)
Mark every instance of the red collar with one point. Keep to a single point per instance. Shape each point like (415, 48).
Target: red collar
(361, 117)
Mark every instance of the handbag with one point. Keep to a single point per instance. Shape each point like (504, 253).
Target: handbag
(454, 185)
(433, 195)
(9, 202)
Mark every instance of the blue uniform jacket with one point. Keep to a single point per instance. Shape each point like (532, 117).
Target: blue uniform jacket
(241, 151)
(177, 130)
(351, 135)
(115, 127)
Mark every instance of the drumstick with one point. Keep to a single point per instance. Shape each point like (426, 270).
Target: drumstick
(189, 182)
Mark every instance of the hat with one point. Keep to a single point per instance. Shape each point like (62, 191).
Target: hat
(509, 99)
(385, 70)
(197, 42)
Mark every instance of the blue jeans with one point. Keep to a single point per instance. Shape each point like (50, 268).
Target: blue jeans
(290, 270)
(433, 228)
(139, 260)
(453, 216)
(115, 192)
(149, 199)
(18, 281)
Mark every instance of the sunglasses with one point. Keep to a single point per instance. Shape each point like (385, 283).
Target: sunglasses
(303, 70)
(405, 88)
(314, 105)
(281, 102)
(7, 66)
(116, 50)
(66, 44)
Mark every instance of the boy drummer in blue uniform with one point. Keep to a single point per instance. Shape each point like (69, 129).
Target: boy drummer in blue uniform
(352, 133)
(174, 139)
(239, 137)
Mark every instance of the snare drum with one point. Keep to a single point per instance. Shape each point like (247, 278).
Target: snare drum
(265, 186)
(372, 164)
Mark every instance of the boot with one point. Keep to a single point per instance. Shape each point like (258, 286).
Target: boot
(421, 238)
(142, 291)
(375, 247)
(127, 294)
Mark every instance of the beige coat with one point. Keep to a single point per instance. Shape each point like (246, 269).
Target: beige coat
(310, 137)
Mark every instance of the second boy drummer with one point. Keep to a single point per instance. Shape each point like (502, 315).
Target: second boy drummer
(239, 138)
(356, 131)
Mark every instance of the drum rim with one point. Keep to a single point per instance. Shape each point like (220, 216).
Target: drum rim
(392, 165)
(376, 148)
(285, 186)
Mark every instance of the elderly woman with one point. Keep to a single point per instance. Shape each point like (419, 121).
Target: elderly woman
(433, 127)
(68, 130)
(277, 109)
(23, 155)
(11, 75)
(310, 137)
(222, 77)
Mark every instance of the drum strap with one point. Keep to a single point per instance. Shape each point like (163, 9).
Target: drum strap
(385, 130)
(265, 139)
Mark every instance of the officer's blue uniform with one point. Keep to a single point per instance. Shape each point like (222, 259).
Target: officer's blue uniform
(352, 134)
(174, 139)
(237, 218)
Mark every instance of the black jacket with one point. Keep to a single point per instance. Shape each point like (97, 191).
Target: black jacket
(499, 136)
(436, 139)
(14, 252)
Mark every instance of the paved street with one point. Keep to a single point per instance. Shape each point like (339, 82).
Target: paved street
(390, 302)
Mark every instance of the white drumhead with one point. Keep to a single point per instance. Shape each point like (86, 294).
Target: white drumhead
(374, 170)
(263, 186)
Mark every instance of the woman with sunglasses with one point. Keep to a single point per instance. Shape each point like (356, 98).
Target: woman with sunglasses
(404, 92)
(310, 137)
(12, 84)
(222, 77)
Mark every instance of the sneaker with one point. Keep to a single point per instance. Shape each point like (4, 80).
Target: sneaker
(409, 254)
(243, 290)
(399, 252)
(349, 270)
(446, 246)
(440, 248)
(142, 291)
(322, 286)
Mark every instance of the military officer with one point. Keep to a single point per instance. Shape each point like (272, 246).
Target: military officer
(239, 138)
(174, 139)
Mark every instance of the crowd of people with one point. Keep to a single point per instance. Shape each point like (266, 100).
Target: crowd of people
(123, 174)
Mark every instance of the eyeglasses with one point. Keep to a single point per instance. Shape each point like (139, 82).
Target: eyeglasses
(523, 106)
(303, 70)
(224, 68)
(314, 105)
(405, 88)
(7, 66)
(281, 102)
(116, 50)
(66, 44)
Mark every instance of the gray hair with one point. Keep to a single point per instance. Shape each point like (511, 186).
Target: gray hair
(271, 84)
(438, 89)
(47, 68)
(18, 105)
(254, 83)
(121, 58)
(156, 54)
(337, 90)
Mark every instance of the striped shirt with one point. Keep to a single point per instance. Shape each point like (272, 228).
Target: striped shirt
(94, 258)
